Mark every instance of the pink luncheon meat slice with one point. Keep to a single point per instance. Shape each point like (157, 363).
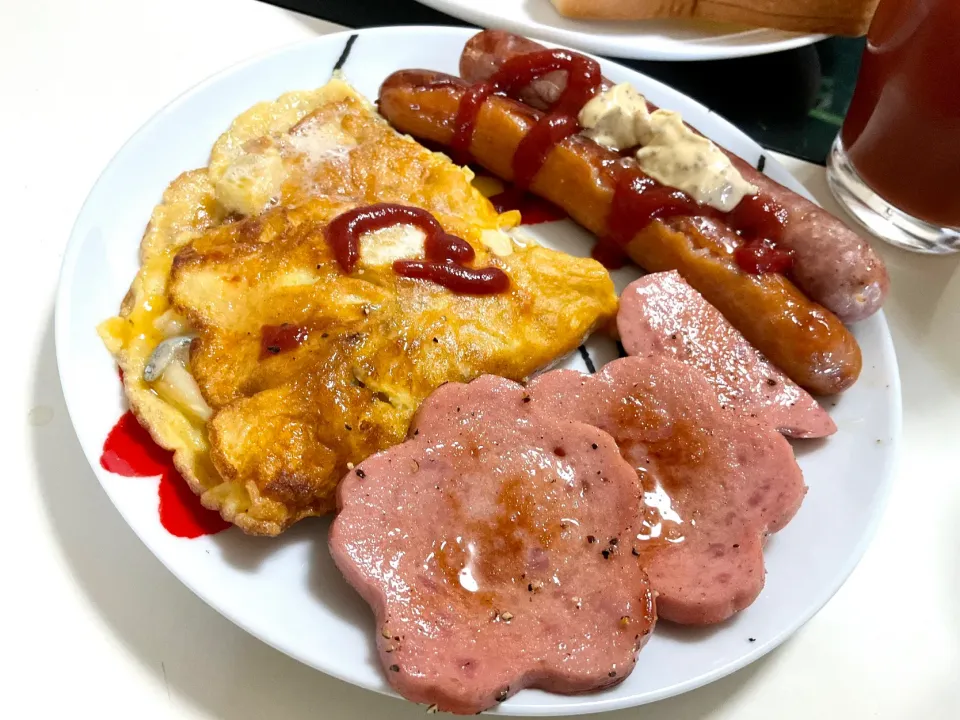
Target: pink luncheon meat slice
(494, 549)
(715, 484)
(662, 316)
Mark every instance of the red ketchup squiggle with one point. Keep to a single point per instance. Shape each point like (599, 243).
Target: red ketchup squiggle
(275, 339)
(763, 256)
(537, 144)
(583, 82)
(130, 451)
(609, 254)
(445, 254)
(533, 210)
(466, 120)
(459, 279)
(761, 220)
(638, 198)
(583, 76)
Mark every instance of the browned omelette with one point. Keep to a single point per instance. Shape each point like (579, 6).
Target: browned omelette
(297, 370)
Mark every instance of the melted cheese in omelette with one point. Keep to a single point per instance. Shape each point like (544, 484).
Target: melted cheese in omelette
(239, 246)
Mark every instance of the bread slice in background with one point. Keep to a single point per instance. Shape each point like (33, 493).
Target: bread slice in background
(834, 17)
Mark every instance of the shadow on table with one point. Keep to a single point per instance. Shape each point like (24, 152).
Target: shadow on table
(200, 657)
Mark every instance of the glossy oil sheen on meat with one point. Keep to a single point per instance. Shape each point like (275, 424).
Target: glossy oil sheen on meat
(489, 547)
(236, 254)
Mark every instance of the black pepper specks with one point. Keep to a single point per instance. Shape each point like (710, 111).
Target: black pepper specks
(752, 639)
(394, 668)
(591, 539)
(361, 474)
(635, 552)
(594, 446)
(612, 673)
(771, 382)
(526, 398)
(348, 427)
(273, 349)
(503, 694)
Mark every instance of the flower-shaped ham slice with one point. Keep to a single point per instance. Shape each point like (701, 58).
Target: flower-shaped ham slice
(494, 549)
(715, 483)
(662, 316)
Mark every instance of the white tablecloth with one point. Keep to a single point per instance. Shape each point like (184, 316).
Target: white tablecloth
(93, 624)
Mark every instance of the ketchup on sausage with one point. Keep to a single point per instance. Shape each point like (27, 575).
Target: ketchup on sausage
(638, 199)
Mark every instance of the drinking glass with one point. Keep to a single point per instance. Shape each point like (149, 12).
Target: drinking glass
(896, 163)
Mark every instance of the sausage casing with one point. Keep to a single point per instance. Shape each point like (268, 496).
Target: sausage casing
(805, 340)
(833, 265)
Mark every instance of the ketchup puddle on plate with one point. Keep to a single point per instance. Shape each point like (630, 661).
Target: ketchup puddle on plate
(533, 210)
(130, 451)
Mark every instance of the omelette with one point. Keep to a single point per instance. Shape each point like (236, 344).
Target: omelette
(268, 370)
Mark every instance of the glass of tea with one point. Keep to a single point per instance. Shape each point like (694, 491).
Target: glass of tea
(896, 163)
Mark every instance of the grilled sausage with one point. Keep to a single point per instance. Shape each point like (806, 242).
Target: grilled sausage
(833, 265)
(802, 338)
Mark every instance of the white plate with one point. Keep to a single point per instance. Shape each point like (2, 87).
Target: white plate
(640, 39)
(286, 591)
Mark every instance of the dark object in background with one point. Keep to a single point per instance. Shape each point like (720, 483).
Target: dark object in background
(370, 13)
(793, 101)
(772, 88)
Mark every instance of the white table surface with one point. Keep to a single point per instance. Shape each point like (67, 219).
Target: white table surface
(92, 623)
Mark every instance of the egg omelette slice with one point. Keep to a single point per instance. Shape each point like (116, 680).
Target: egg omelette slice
(269, 372)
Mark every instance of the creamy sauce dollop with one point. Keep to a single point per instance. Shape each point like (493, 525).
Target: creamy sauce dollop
(669, 152)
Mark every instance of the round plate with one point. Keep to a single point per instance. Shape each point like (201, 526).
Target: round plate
(287, 591)
(640, 39)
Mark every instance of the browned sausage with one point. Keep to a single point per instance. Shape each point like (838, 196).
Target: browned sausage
(806, 341)
(832, 263)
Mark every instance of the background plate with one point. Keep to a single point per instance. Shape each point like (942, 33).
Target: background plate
(640, 40)
(286, 591)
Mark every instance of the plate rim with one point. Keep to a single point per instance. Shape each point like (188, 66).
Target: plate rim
(585, 704)
(627, 47)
